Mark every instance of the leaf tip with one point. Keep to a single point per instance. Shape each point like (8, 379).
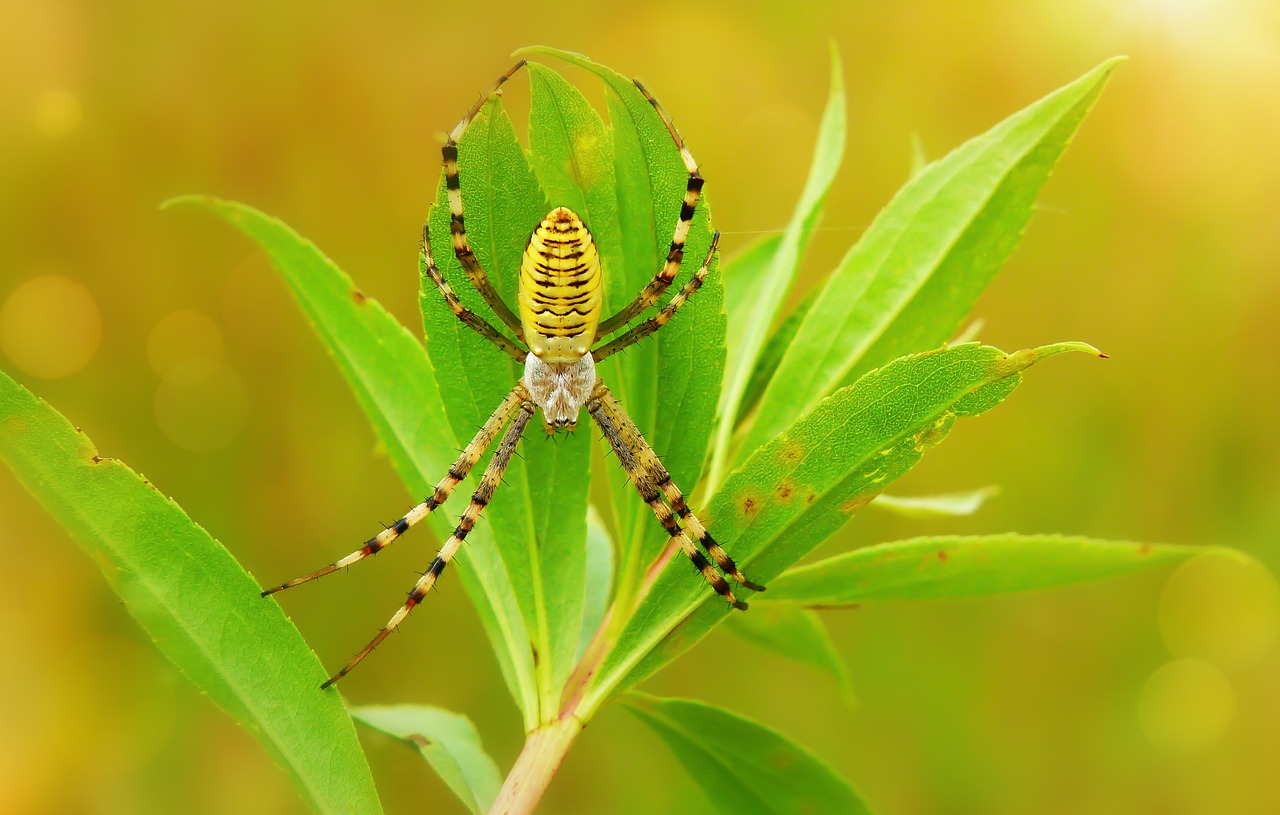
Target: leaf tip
(572, 57)
(1045, 351)
(189, 199)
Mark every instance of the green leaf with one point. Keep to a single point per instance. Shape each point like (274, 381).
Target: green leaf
(797, 634)
(682, 366)
(539, 513)
(763, 295)
(394, 384)
(600, 568)
(195, 601)
(803, 485)
(953, 566)
(450, 744)
(742, 765)
(767, 364)
(909, 282)
(946, 505)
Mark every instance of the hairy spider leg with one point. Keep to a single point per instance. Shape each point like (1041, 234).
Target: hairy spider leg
(467, 316)
(652, 496)
(649, 326)
(483, 494)
(474, 450)
(457, 224)
(657, 475)
(675, 255)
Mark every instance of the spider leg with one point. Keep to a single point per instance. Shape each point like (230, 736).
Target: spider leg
(671, 267)
(649, 491)
(662, 480)
(483, 494)
(443, 490)
(457, 226)
(644, 329)
(469, 317)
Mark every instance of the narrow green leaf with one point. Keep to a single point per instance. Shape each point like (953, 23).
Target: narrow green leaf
(804, 484)
(765, 294)
(681, 367)
(767, 364)
(742, 765)
(797, 634)
(947, 505)
(450, 744)
(539, 513)
(953, 566)
(909, 282)
(600, 568)
(195, 601)
(395, 385)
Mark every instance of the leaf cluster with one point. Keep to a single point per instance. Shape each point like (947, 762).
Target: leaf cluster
(813, 415)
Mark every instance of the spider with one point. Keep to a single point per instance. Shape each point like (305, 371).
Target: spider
(559, 301)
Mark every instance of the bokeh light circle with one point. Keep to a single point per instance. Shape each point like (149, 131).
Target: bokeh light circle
(1186, 706)
(1222, 606)
(58, 113)
(185, 347)
(50, 326)
(206, 416)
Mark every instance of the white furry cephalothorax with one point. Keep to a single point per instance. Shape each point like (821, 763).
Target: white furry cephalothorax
(559, 388)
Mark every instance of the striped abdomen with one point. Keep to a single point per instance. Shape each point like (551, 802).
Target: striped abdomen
(560, 294)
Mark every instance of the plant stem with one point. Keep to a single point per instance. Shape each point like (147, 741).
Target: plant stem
(543, 751)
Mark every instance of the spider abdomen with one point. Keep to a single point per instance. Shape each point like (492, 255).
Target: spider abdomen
(560, 295)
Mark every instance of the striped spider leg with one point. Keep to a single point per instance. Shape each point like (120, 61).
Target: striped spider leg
(559, 303)
(516, 405)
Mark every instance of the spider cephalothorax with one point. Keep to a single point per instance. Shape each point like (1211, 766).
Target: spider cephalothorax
(559, 303)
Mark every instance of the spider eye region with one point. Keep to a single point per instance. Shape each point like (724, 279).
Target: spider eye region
(560, 293)
(560, 389)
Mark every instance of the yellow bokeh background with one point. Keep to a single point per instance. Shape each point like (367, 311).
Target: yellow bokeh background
(167, 337)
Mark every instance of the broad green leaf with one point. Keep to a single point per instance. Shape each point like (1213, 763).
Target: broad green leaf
(804, 484)
(670, 383)
(450, 744)
(951, 504)
(953, 566)
(195, 601)
(909, 282)
(742, 765)
(764, 295)
(600, 568)
(797, 634)
(538, 515)
(394, 384)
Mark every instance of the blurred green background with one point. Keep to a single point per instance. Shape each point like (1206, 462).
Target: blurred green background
(167, 337)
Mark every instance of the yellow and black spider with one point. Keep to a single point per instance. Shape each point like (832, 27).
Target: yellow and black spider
(559, 301)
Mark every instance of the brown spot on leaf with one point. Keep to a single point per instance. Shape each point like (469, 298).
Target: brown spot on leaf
(358, 296)
(751, 502)
(856, 503)
(419, 739)
(942, 555)
(811, 497)
(1144, 549)
(785, 489)
(791, 452)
